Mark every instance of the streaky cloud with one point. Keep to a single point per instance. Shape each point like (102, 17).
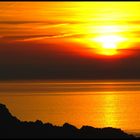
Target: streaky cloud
(52, 25)
(48, 22)
(49, 36)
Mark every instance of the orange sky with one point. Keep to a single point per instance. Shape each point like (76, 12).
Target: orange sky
(75, 29)
(70, 21)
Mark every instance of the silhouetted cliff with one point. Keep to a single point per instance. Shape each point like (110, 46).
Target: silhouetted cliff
(11, 127)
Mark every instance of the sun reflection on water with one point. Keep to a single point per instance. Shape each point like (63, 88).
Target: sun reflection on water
(111, 107)
(110, 110)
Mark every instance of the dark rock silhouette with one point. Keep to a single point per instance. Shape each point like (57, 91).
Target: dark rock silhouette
(11, 127)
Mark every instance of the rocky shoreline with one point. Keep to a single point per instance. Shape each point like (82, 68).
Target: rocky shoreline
(11, 127)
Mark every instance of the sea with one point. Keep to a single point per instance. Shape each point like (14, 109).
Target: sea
(98, 103)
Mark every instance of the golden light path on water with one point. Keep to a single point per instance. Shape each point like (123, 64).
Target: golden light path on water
(110, 107)
(110, 104)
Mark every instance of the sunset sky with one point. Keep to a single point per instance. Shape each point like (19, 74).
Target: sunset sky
(69, 40)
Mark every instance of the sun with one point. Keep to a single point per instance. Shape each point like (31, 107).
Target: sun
(109, 44)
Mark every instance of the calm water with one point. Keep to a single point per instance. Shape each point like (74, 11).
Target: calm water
(96, 103)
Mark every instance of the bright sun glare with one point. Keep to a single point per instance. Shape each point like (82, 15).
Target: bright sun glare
(109, 43)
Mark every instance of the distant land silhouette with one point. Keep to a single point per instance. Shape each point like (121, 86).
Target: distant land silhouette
(11, 127)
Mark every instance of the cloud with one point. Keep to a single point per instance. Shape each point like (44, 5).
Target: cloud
(20, 37)
(18, 22)
(39, 22)
(28, 38)
(52, 25)
(40, 37)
